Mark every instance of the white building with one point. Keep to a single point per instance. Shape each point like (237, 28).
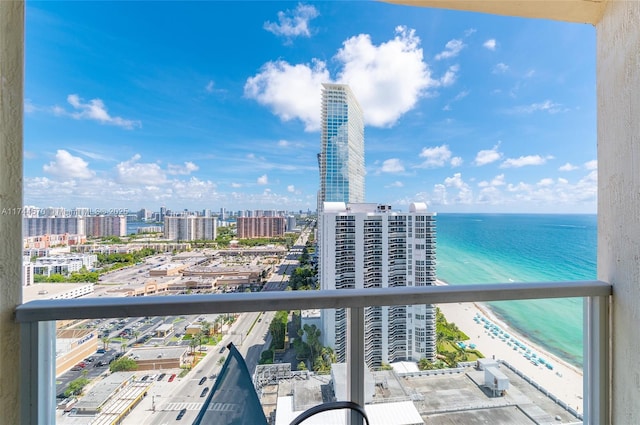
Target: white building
(291, 223)
(368, 246)
(27, 272)
(190, 228)
(36, 226)
(64, 265)
(106, 225)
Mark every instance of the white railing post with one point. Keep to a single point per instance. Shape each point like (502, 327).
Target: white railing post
(38, 365)
(355, 361)
(596, 361)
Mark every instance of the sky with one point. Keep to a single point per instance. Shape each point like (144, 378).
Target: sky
(196, 105)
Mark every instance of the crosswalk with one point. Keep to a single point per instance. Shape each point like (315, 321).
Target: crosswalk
(180, 406)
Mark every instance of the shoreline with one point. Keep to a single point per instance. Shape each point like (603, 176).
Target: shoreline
(565, 380)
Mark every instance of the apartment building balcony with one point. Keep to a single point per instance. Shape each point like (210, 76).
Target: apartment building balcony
(37, 323)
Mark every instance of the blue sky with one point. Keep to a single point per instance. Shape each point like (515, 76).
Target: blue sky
(217, 104)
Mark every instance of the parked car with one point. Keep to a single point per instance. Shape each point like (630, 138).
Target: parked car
(172, 377)
(204, 392)
(202, 380)
(181, 414)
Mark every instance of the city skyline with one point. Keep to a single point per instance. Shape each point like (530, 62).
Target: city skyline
(466, 112)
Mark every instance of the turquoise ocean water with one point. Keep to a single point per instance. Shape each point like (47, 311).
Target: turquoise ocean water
(499, 248)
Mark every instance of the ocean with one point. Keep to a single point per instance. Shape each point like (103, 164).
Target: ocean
(499, 248)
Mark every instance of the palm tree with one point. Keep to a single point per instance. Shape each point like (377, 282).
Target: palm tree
(193, 343)
(206, 328)
(105, 341)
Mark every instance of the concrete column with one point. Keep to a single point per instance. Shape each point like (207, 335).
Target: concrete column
(618, 88)
(11, 106)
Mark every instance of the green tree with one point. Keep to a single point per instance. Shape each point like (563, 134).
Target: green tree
(105, 342)
(75, 387)
(266, 357)
(123, 364)
(424, 364)
(278, 329)
(193, 343)
(302, 366)
(56, 278)
(205, 327)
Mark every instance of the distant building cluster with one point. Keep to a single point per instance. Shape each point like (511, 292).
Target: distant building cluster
(53, 240)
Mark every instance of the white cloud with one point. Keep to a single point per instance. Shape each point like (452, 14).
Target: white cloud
(546, 182)
(500, 68)
(136, 173)
(490, 44)
(591, 165)
(451, 49)
(435, 157)
(283, 143)
(568, 167)
(458, 97)
(93, 155)
(293, 23)
(236, 185)
(456, 161)
(498, 180)
(488, 156)
(188, 168)
(29, 107)
(290, 91)
(209, 87)
(94, 110)
(495, 182)
(393, 165)
(291, 188)
(469, 32)
(262, 180)
(449, 76)
(395, 184)
(66, 165)
(387, 79)
(546, 106)
(524, 161)
(465, 194)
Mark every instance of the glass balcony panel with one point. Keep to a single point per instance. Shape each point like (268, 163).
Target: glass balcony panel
(541, 377)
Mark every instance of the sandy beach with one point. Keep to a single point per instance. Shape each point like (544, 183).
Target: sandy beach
(564, 380)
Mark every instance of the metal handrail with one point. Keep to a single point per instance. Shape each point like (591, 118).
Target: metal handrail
(108, 307)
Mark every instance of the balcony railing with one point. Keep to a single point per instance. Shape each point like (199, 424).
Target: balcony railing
(37, 319)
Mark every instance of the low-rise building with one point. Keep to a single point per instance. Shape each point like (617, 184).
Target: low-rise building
(156, 358)
(64, 264)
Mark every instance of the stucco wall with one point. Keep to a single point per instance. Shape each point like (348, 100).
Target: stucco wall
(618, 72)
(11, 83)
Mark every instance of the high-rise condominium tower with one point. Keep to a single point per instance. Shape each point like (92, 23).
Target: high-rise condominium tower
(341, 159)
(369, 246)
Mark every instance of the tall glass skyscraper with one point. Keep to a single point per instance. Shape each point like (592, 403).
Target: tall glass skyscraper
(341, 160)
